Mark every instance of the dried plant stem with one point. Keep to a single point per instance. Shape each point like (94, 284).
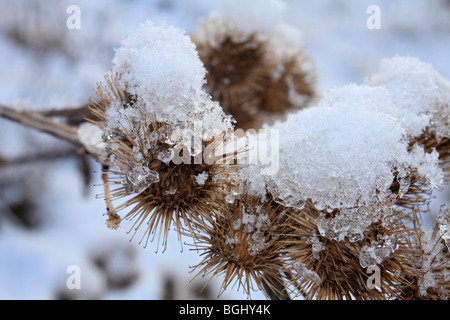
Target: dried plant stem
(67, 112)
(46, 155)
(114, 219)
(40, 122)
(277, 289)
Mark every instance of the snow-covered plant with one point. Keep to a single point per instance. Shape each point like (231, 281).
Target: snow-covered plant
(257, 65)
(355, 171)
(158, 126)
(355, 174)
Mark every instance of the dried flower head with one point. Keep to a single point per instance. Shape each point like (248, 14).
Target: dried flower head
(431, 264)
(257, 74)
(243, 245)
(161, 133)
(163, 191)
(329, 269)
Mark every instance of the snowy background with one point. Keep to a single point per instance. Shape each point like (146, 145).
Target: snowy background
(49, 216)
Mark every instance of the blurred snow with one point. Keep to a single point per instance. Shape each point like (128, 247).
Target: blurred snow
(45, 65)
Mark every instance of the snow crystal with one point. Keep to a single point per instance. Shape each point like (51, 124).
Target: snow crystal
(306, 273)
(254, 226)
(230, 241)
(230, 198)
(139, 177)
(427, 165)
(201, 178)
(420, 94)
(165, 155)
(171, 191)
(378, 251)
(256, 242)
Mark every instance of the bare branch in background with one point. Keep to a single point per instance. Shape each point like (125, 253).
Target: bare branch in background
(45, 155)
(72, 115)
(40, 122)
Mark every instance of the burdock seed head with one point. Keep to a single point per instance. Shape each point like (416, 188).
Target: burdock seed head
(432, 266)
(325, 268)
(242, 245)
(161, 132)
(258, 71)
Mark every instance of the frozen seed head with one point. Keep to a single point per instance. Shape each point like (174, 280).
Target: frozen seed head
(157, 73)
(158, 125)
(242, 244)
(345, 154)
(329, 269)
(432, 278)
(162, 193)
(257, 67)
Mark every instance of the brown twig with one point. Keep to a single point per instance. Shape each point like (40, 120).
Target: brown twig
(40, 122)
(71, 115)
(46, 155)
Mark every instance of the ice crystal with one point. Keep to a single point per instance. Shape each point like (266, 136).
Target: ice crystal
(201, 178)
(139, 177)
(306, 273)
(378, 251)
(165, 156)
(316, 245)
(443, 220)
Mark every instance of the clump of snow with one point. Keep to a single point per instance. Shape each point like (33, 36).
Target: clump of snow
(254, 224)
(421, 96)
(91, 137)
(159, 64)
(340, 153)
(159, 68)
(378, 251)
(316, 245)
(351, 223)
(344, 153)
(201, 178)
(252, 16)
(307, 274)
